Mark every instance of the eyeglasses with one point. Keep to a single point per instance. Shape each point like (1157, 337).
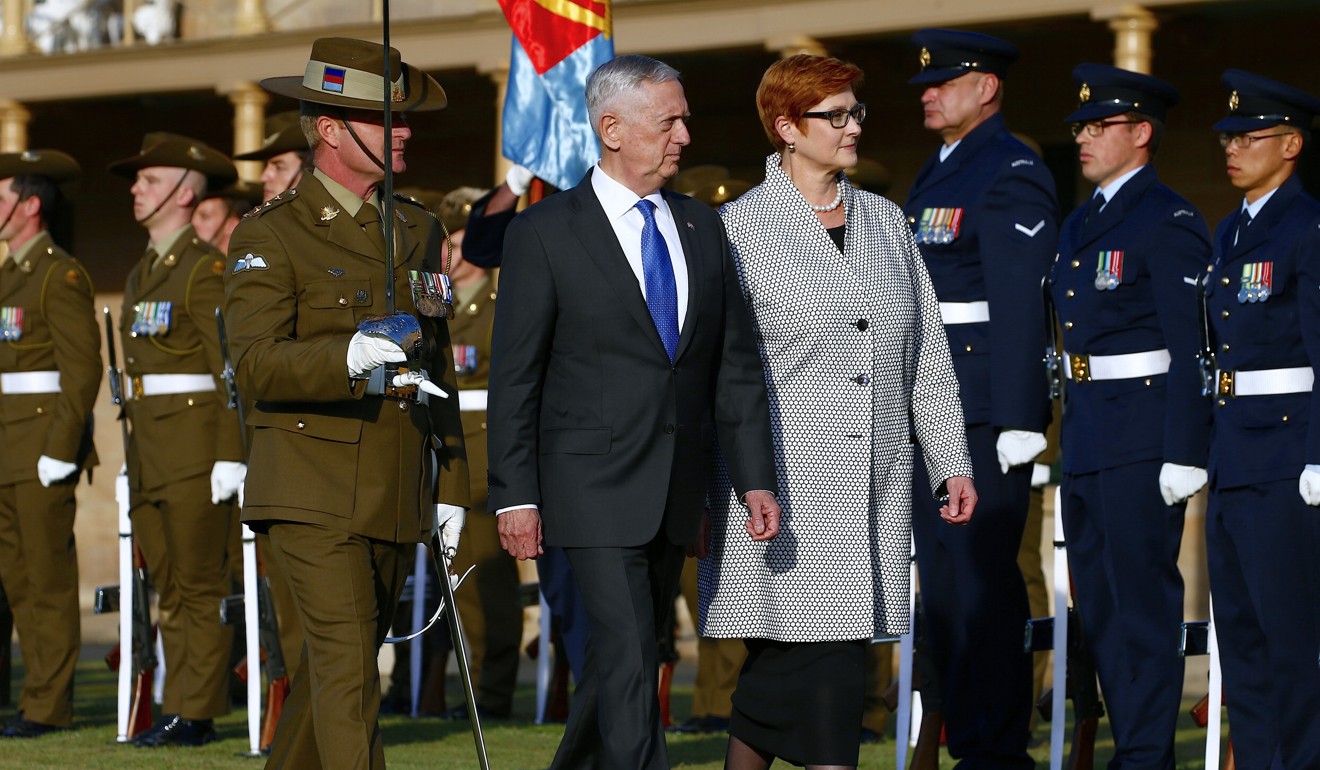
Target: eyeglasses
(839, 118)
(1097, 127)
(1243, 141)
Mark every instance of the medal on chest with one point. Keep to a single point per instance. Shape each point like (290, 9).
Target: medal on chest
(1257, 282)
(153, 319)
(465, 359)
(432, 294)
(939, 225)
(11, 324)
(1109, 270)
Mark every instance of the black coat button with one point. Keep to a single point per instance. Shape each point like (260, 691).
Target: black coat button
(669, 428)
(862, 324)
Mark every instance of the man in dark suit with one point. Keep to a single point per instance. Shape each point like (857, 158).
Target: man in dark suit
(1263, 303)
(1136, 430)
(621, 347)
(983, 211)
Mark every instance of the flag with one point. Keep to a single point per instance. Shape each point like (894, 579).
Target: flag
(556, 45)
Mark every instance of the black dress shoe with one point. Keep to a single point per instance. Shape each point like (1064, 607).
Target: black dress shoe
(701, 726)
(178, 732)
(24, 728)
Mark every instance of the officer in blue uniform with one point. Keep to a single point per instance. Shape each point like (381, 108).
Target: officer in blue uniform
(1135, 425)
(1262, 537)
(985, 215)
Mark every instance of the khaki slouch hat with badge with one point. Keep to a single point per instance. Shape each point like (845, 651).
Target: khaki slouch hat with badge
(343, 72)
(161, 148)
(54, 165)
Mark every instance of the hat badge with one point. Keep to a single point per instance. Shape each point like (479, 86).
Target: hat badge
(1233, 101)
(924, 58)
(1085, 94)
(396, 92)
(29, 156)
(195, 153)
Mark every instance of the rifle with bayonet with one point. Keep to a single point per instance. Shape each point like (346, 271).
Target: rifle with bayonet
(256, 588)
(137, 638)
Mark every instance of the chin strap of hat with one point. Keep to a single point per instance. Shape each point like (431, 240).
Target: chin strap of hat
(169, 195)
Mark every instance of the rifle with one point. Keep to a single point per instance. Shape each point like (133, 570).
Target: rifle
(1053, 360)
(1079, 685)
(1205, 359)
(258, 604)
(137, 641)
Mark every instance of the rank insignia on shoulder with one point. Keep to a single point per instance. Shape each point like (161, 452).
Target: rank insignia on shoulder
(153, 319)
(939, 225)
(11, 324)
(1257, 282)
(1109, 270)
(250, 261)
(431, 292)
(465, 360)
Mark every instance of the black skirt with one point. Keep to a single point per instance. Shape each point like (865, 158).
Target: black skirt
(802, 701)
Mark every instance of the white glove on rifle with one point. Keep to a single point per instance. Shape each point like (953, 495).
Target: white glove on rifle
(414, 377)
(1309, 485)
(121, 487)
(226, 477)
(52, 471)
(1018, 447)
(448, 521)
(519, 180)
(1179, 482)
(366, 352)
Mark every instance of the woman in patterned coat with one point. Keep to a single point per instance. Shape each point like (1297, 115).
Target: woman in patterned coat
(857, 366)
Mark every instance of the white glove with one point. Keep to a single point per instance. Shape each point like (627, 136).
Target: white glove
(52, 471)
(419, 379)
(226, 477)
(1018, 447)
(1040, 474)
(1309, 485)
(1179, 482)
(121, 486)
(366, 352)
(241, 486)
(448, 521)
(519, 180)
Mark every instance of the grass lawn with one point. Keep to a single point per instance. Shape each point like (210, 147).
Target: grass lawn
(515, 744)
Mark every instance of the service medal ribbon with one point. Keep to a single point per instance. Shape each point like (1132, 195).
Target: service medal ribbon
(465, 359)
(11, 324)
(939, 225)
(1109, 270)
(153, 319)
(431, 292)
(1257, 282)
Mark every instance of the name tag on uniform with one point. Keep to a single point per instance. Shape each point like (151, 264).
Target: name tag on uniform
(1257, 282)
(1109, 270)
(11, 324)
(431, 292)
(465, 359)
(939, 225)
(153, 319)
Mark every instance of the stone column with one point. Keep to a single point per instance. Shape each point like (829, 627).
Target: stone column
(249, 102)
(499, 75)
(795, 44)
(13, 41)
(14, 119)
(250, 18)
(1133, 27)
(130, 34)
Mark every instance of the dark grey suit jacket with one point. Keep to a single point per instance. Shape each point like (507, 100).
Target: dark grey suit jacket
(588, 419)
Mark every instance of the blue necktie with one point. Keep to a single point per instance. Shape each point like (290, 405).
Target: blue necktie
(658, 272)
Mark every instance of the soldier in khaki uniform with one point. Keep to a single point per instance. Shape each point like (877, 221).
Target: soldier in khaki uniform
(345, 479)
(284, 151)
(184, 456)
(50, 368)
(490, 608)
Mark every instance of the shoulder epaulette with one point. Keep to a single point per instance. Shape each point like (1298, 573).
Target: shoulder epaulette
(279, 200)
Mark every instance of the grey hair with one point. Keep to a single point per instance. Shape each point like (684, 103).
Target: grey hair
(620, 76)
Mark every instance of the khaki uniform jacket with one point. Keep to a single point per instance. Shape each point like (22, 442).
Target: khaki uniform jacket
(59, 333)
(470, 331)
(302, 275)
(177, 436)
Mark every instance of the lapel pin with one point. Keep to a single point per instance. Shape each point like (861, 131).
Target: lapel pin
(328, 213)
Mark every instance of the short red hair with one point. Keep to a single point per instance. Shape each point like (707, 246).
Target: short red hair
(792, 86)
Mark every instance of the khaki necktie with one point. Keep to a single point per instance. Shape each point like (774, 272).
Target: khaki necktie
(369, 217)
(152, 259)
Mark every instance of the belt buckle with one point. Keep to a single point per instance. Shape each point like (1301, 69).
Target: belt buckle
(1226, 384)
(135, 382)
(1080, 368)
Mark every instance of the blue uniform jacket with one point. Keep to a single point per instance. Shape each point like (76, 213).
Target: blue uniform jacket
(1165, 247)
(1007, 217)
(1266, 438)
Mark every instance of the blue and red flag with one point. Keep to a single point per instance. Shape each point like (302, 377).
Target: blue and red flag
(556, 45)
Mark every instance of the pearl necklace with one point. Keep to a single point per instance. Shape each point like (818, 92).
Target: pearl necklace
(832, 205)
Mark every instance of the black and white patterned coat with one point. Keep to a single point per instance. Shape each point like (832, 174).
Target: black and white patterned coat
(857, 367)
